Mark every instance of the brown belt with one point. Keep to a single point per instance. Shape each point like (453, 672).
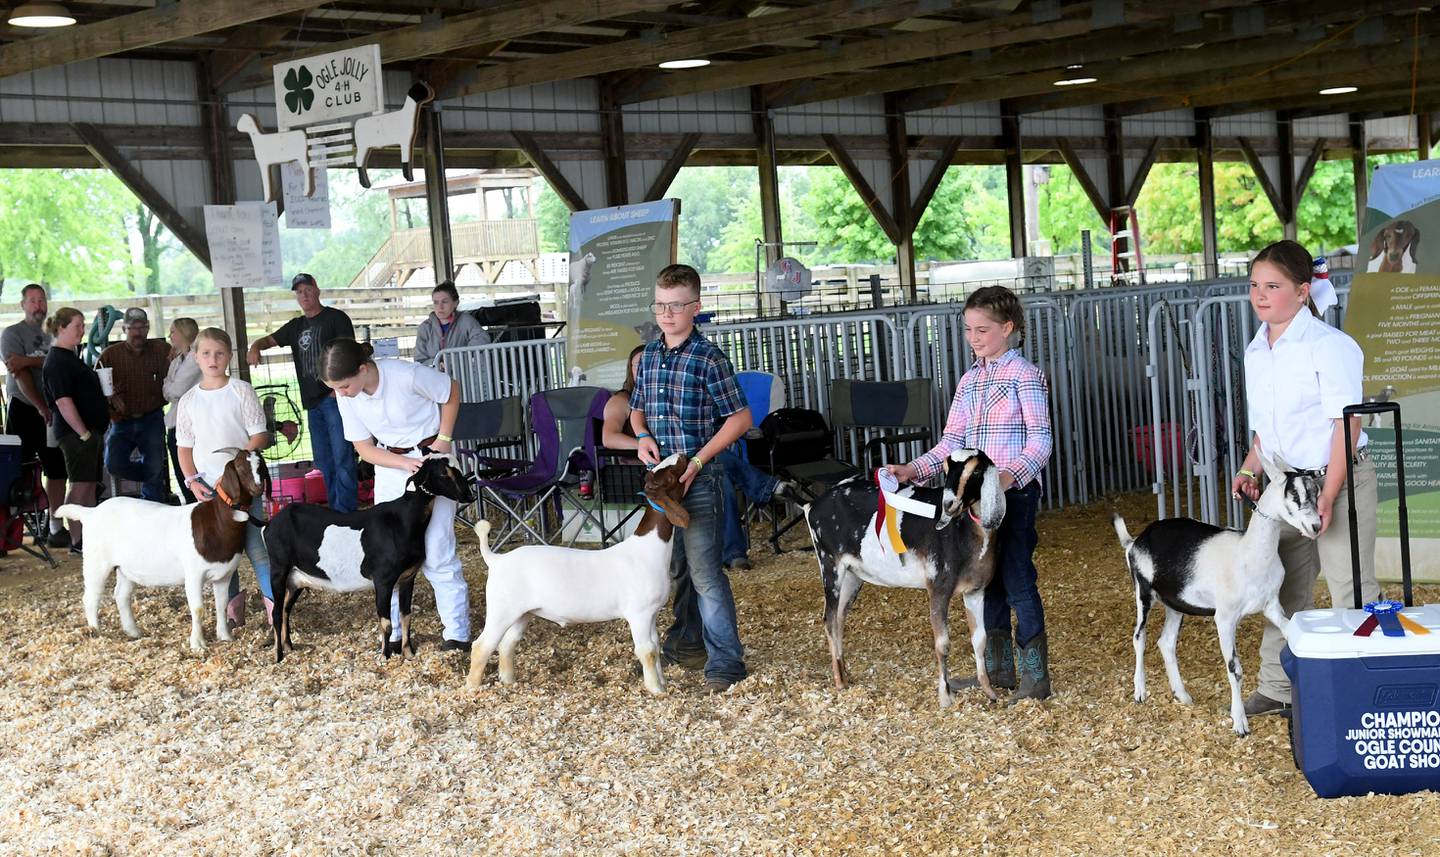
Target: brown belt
(402, 450)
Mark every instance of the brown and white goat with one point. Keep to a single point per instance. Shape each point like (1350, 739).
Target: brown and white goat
(152, 544)
(629, 581)
(945, 555)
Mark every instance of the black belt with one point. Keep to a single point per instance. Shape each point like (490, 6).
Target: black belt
(402, 450)
(1361, 454)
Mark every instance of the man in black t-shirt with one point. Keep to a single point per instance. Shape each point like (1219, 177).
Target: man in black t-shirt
(306, 336)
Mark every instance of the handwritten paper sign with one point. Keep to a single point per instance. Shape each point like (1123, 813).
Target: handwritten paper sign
(301, 211)
(244, 244)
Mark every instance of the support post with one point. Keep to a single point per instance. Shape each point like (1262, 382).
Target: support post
(1205, 159)
(612, 145)
(900, 197)
(1423, 140)
(437, 196)
(769, 175)
(1361, 171)
(1014, 178)
(215, 126)
(1289, 202)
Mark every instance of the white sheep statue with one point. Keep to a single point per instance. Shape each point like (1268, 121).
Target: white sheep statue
(274, 149)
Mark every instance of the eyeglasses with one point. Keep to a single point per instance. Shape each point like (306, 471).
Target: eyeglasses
(670, 308)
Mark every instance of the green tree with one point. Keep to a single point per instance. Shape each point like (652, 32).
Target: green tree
(552, 219)
(967, 217)
(1065, 211)
(66, 229)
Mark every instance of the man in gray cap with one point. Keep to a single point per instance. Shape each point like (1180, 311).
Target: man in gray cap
(137, 407)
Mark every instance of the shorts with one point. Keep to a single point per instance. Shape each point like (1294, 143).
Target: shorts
(26, 422)
(85, 459)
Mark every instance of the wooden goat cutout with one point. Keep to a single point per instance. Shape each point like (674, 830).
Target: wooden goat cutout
(278, 148)
(392, 129)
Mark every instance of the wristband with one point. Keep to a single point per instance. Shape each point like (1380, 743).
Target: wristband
(445, 437)
(1245, 471)
(85, 437)
(642, 435)
(698, 462)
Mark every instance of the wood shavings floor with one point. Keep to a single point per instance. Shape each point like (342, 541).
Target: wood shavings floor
(139, 748)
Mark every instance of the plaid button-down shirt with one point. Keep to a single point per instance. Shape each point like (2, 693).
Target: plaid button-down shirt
(685, 392)
(1002, 408)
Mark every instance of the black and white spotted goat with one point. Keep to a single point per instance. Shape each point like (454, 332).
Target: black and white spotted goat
(1199, 569)
(380, 548)
(953, 552)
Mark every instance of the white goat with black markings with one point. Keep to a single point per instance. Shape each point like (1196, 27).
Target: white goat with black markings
(1199, 569)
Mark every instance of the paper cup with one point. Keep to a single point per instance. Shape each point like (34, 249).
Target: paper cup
(107, 380)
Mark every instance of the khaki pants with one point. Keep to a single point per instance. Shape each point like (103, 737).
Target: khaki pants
(1305, 559)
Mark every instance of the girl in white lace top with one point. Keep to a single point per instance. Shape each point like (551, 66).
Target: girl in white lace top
(219, 413)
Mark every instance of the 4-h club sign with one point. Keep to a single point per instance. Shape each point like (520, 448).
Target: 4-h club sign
(331, 112)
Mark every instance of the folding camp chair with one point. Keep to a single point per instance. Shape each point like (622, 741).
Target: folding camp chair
(620, 478)
(797, 444)
(485, 428)
(24, 511)
(566, 426)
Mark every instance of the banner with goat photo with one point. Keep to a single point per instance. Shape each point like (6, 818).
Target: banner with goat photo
(1394, 314)
(615, 254)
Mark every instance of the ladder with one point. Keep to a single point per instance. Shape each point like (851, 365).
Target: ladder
(1127, 265)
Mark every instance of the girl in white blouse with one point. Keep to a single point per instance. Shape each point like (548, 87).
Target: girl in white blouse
(1299, 374)
(219, 413)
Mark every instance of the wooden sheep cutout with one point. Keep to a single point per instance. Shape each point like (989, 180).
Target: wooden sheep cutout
(392, 129)
(278, 148)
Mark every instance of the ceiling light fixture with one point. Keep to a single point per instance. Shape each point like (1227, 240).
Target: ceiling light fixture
(40, 15)
(1339, 90)
(693, 63)
(1075, 81)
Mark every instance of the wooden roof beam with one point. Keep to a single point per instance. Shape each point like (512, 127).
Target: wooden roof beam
(908, 47)
(798, 23)
(190, 234)
(946, 79)
(498, 24)
(139, 30)
(842, 159)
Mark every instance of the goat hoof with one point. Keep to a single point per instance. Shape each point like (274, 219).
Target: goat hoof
(1184, 699)
(1141, 697)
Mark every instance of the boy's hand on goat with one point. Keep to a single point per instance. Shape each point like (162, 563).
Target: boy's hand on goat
(688, 477)
(648, 450)
(201, 491)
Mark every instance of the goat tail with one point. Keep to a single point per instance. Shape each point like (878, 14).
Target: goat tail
(72, 512)
(1120, 531)
(482, 532)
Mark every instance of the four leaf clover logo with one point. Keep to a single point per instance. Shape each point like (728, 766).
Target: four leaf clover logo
(298, 94)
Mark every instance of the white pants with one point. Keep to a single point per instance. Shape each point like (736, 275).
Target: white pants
(442, 566)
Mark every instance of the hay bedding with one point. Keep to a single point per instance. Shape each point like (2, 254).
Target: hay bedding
(119, 747)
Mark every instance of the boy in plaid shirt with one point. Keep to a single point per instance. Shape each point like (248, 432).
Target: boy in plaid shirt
(686, 401)
(1002, 407)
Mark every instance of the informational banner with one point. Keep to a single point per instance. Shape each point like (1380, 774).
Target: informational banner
(328, 87)
(1394, 314)
(301, 211)
(244, 242)
(615, 254)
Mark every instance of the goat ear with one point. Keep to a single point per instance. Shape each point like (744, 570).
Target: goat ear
(1414, 246)
(1274, 466)
(1378, 244)
(674, 512)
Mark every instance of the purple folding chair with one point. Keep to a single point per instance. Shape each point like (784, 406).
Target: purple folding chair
(566, 425)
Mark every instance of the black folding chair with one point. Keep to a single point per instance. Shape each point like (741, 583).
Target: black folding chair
(484, 429)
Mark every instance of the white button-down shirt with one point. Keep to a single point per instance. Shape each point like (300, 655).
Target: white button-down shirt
(1297, 388)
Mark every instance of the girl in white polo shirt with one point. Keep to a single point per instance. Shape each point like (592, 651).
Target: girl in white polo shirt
(1299, 374)
(221, 412)
(392, 410)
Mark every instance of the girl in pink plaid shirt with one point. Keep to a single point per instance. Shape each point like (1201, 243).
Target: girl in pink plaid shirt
(1001, 406)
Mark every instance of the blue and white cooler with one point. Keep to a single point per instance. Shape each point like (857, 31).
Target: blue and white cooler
(1365, 686)
(1365, 682)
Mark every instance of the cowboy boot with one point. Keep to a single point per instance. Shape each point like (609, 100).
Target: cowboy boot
(999, 665)
(1034, 669)
(235, 610)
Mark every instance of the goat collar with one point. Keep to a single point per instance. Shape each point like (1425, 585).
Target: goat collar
(232, 502)
(1255, 509)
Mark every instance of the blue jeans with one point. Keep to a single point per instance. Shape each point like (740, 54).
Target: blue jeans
(255, 551)
(146, 434)
(1014, 585)
(334, 456)
(740, 478)
(704, 605)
